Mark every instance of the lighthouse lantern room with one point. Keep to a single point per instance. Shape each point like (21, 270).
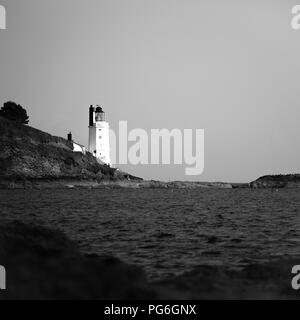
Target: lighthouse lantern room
(99, 134)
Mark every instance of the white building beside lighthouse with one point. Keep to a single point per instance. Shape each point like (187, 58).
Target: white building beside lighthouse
(99, 134)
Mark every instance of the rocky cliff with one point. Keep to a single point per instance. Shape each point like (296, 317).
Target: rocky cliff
(277, 181)
(28, 154)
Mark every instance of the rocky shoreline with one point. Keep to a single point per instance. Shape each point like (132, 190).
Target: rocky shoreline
(124, 180)
(58, 183)
(43, 264)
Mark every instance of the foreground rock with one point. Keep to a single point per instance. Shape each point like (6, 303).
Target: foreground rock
(270, 280)
(44, 264)
(277, 181)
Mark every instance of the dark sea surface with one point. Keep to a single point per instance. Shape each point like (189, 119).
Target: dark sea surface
(167, 231)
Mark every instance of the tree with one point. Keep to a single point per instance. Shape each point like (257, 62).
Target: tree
(14, 112)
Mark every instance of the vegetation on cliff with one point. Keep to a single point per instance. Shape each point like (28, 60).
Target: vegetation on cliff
(14, 112)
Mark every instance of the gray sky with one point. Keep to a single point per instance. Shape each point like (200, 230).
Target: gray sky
(229, 67)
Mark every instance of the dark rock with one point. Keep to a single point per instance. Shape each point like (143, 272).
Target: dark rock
(44, 264)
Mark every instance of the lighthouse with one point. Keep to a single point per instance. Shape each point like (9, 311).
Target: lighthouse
(99, 134)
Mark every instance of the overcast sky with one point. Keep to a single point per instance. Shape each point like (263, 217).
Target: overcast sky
(229, 67)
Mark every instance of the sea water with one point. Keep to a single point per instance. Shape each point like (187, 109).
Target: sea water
(167, 231)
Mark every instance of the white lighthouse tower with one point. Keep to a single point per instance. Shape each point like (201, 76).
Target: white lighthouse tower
(99, 134)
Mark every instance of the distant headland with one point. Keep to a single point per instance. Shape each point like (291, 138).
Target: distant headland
(277, 181)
